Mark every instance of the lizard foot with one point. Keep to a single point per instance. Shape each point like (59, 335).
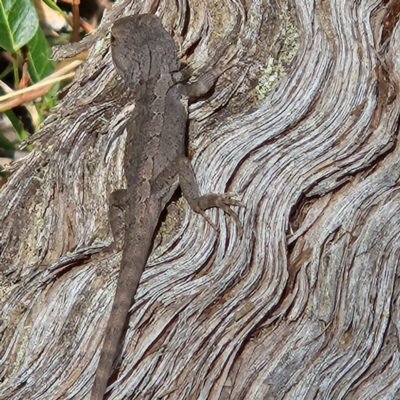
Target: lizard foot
(223, 201)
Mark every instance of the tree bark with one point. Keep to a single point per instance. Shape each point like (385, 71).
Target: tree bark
(304, 305)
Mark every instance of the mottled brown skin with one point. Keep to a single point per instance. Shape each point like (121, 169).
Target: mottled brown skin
(144, 55)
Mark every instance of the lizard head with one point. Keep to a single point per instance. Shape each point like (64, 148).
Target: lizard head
(142, 50)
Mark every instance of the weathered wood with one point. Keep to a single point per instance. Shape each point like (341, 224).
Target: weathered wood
(305, 305)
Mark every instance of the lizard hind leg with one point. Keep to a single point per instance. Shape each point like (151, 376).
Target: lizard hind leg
(116, 212)
(199, 204)
(222, 201)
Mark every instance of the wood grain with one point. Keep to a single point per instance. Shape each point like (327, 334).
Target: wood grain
(304, 128)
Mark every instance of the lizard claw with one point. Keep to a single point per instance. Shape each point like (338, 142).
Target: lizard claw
(222, 201)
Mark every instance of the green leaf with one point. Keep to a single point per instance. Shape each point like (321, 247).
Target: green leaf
(54, 7)
(18, 23)
(6, 71)
(39, 65)
(17, 126)
(6, 144)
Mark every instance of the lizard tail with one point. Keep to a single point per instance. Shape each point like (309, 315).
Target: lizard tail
(128, 281)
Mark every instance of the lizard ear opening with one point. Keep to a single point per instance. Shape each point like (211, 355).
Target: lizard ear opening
(112, 39)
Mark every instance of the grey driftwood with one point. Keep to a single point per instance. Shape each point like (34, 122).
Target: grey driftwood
(304, 305)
